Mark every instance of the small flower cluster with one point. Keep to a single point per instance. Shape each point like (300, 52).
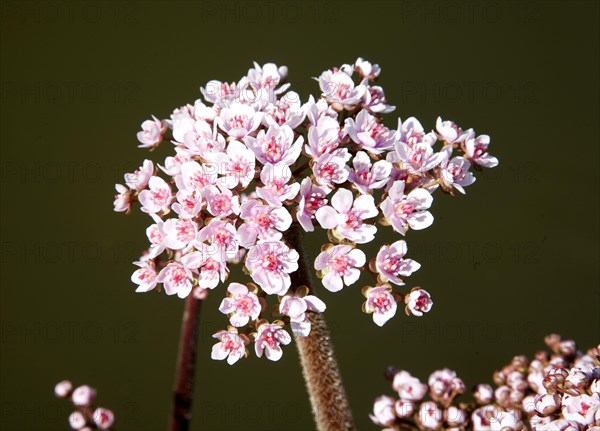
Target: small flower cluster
(86, 417)
(553, 392)
(251, 159)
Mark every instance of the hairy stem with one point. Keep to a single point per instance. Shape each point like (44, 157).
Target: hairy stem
(320, 369)
(181, 412)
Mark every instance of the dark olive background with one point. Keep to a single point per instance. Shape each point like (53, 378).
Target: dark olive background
(514, 259)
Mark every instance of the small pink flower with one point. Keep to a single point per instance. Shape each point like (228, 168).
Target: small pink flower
(374, 101)
(145, 276)
(270, 263)
(236, 165)
(231, 346)
(418, 301)
(221, 201)
(418, 158)
(139, 179)
(381, 303)
(173, 164)
(157, 198)
(340, 266)
(176, 279)
(367, 176)
(178, 233)
(411, 132)
(209, 263)
(204, 140)
(103, 418)
(296, 306)
(383, 411)
(429, 416)
(330, 168)
(346, 216)
(338, 88)
(276, 189)
(449, 132)
(581, 409)
(476, 150)
(324, 137)
(222, 236)
(242, 305)
(366, 69)
(444, 385)
(312, 198)
(266, 77)
(188, 205)
(286, 110)
(391, 265)
(83, 395)
(63, 389)
(402, 210)
(409, 388)
(238, 120)
(369, 134)
(275, 146)
(123, 199)
(455, 173)
(151, 134)
(195, 176)
(269, 339)
(264, 222)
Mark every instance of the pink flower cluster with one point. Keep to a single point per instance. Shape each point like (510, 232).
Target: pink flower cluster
(86, 417)
(553, 392)
(251, 159)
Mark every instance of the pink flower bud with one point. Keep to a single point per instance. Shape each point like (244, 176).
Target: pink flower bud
(103, 418)
(77, 420)
(455, 416)
(404, 408)
(63, 389)
(547, 404)
(484, 394)
(83, 396)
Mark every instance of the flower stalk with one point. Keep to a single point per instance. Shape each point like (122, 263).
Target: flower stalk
(181, 412)
(320, 369)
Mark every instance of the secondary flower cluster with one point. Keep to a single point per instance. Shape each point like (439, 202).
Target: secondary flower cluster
(251, 159)
(553, 392)
(86, 417)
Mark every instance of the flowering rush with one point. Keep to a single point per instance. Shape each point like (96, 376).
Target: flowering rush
(250, 159)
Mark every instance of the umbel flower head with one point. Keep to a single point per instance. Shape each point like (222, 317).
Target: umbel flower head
(250, 160)
(552, 392)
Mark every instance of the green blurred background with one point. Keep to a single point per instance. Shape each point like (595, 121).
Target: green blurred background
(514, 259)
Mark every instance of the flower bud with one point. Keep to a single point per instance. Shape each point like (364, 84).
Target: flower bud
(404, 409)
(430, 416)
(454, 416)
(77, 420)
(528, 404)
(63, 389)
(547, 404)
(502, 395)
(103, 418)
(83, 396)
(567, 347)
(552, 341)
(484, 394)
(383, 411)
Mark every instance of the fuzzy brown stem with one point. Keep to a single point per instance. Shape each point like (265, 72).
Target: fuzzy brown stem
(320, 369)
(181, 412)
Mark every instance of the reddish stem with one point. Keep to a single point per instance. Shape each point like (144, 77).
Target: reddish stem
(181, 412)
